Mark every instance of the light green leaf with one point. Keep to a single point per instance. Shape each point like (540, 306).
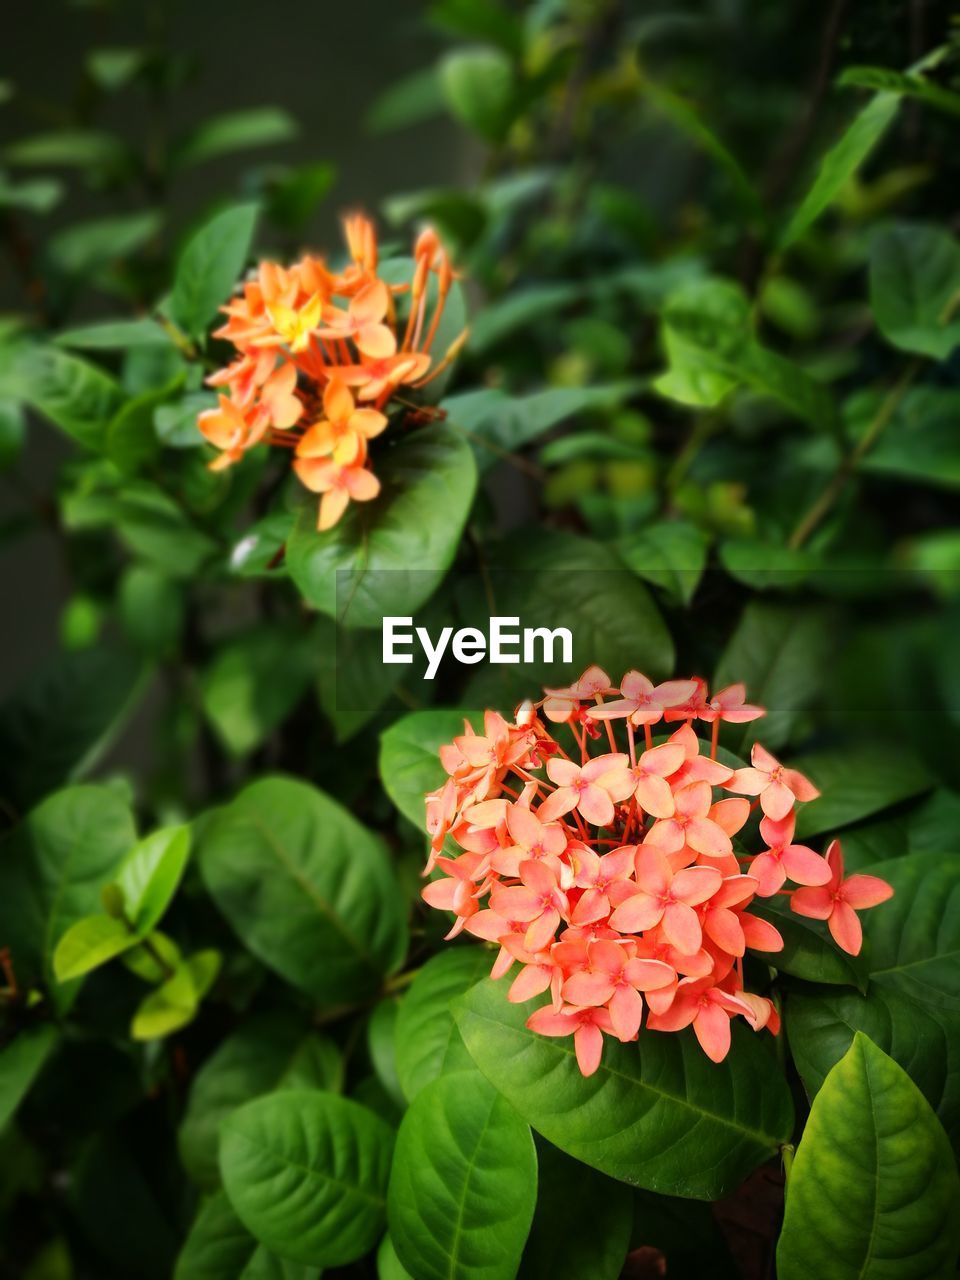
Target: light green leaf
(114, 335)
(660, 1115)
(210, 266)
(914, 937)
(915, 287)
(174, 1003)
(428, 1044)
(388, 556)
(478, 87)
(307, 1175)
(73, 148)
(149, 875)
(255, 681)
(409, 760)
(856, 782)
(923, 1039)
(671, 554)
(307, 888)
(463, 1183)
(381, 1047)
(875, 1173)
(20, 1063)
(90, 943)
(114, 68)
(907, 84)
(389, 1266)
(234, 131)
(36, 195)
(51, 868)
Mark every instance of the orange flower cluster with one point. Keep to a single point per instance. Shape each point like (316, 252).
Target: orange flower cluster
(612, 878)
(321, 355)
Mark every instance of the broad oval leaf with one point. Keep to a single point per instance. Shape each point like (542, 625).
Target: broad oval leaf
(272, 1051)
(219, 1247)
(307, 888)
(478, 87)
(428, 1043)
(659, 1114)
(463, 1184)
(387, 557)
(873, 1193)
(51, 868)
(914, 937)
(925, 1041)
(856, 782)
(409, 757)
(90, 943)
(210, 266)
(307, 1174)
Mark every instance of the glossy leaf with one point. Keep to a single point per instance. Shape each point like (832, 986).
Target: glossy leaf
(856, 782)
(90, 943)
(149, 875)
(306, 887)
(210, 265)
(388, 556)
(875, 1173)
(269, 1052)
(671, 555)
(219, 1247)
(914, 937)
(306, 1172)
(808, 950)
(428, 1043)
(409, 757)
(174, 1003)
(463, 1183)
(659, 1114)
(923, 1039)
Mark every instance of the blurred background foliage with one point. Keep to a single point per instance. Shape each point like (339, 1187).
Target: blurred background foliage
(710, 260)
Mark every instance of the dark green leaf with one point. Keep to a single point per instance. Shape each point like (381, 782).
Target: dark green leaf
(671, 555)
(255, 681)
(659, 1115)
(409, 760)
(308, 889)
(75, 396)
(234, 131)
(478, 87)
(428, 1043)
(219, 1247)
(210, 266)
(307, 1175)
(20, 1062)
(856, 782)
(915, 287)
(114, 335)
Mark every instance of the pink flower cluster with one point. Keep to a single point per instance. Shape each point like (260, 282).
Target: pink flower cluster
(611, 878)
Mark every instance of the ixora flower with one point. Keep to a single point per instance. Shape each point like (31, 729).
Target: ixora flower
(611, 877)
(322, 356)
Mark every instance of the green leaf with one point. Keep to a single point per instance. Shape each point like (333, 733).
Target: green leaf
(354, 682)
(307, 1175)
(73, 148)
(389, 1266)
(841, 162)
(114, 335)
(660, 1115)
(130, 441)
(478, 87)
(307, 888)
(514, 312)
(856, 782)
(885, 80)
(219, 1247)
(920, 442)
(428, 1044)
(255, 681)
(151, 610)
(779, 652)
(463, 1184)
(150, 523)
(36, 195)
(711, 350)
(51, 869)
(388, 556)
(671, 554)
(90, 943)
(234, 131)
(149, 875)
(914, 938)
(20, 1063)
(293, 198)
(409, 760)
(114, 68)
(808, 950)
(381, 1047)
(85, 247)
(875, 1173)
(210, 266)
(268, 1052)
(176, 424)
(915, 287)
(923, 1039)
(496, 425)
(415, 97)
(174, 1003)
(592, 1243)
(75, 396)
